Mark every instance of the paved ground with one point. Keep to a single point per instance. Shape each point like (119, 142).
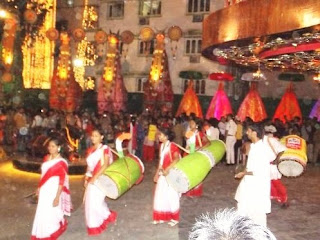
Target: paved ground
(300, 221)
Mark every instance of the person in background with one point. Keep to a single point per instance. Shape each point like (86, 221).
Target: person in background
(132, 145)
(179, 131)
(196, 140)
(222, 128)
(54, 199)
(238, 144)
(212, 130)
(230, 133)
(316, 144)
(149, 142)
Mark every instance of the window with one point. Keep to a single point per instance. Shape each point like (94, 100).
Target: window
(146, 48)
(198, 6)
(140, 84)
(115, 10)
(193, 46)
(150, 8)
(199, 86)
(121, 49)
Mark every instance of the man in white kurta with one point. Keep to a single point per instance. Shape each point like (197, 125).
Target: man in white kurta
(231, 129)
(253, 193)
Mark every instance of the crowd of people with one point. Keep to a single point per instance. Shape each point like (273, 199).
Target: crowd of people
(19, 126)
(155, 135)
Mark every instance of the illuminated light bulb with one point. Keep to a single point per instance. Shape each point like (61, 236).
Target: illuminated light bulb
(3, 14)
(8, 59)
(317, 77)
(78, 62)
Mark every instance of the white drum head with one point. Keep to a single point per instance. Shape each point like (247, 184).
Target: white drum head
(107, 186)
(290, 168)
(178, 180)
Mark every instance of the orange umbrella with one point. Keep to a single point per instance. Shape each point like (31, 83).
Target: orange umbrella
(190, 103)
(252, 106)
(288, 107)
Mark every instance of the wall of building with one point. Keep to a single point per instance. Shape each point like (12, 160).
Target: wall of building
(173, 12)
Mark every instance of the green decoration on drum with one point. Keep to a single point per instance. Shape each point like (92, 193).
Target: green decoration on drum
(191, 170)
(120, 176)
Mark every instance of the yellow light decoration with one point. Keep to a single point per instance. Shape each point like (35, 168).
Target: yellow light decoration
(90, 83)
(109, 69)
(38, 55)
(316, 78)
(64, 63)
(86, 54)
(8, 38)
(85, 49)
(80, 70)
(90, 16)
(7, 56)
(3, 14)
(157, 63)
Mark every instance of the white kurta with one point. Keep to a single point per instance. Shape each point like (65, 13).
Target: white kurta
(277, 147)
(49, 221)
(97, 212)
(212, 133)
(231, 129)
(253, 193)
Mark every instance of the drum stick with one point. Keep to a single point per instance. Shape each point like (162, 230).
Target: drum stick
(84, 195)
(30, 195)
(113, 151)
(182, 148)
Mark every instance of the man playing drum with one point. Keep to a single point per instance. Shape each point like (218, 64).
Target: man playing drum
(253, 193)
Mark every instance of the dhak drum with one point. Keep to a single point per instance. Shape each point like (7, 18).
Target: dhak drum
(293, 162)
(120, 176)
(189, 171)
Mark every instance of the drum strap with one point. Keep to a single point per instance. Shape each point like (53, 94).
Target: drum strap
(274, 151)
(199, 139)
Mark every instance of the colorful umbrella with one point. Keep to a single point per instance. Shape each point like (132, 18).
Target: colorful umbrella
(220, 105)
(190, 103)
(220, 76)
(252, 106)
(288, 107)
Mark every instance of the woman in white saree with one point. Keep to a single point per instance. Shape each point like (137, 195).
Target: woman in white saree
(53, 196)
(97, 212)
(166, 203)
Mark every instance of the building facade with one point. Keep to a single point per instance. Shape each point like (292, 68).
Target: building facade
(118, 16)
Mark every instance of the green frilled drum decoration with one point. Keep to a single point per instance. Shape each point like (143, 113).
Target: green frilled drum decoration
(189, 171)
(120, 176)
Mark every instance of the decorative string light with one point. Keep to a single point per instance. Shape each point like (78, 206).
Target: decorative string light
(157, 61)
(90, 16)
(37, 52)
(90, 83)
(85, 49)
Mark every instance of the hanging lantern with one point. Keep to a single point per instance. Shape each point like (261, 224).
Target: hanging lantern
(52, 34)
(30, 16)
(78, 34)
(127, 37)
(146, 34)
(100, 37)
(175, 33)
